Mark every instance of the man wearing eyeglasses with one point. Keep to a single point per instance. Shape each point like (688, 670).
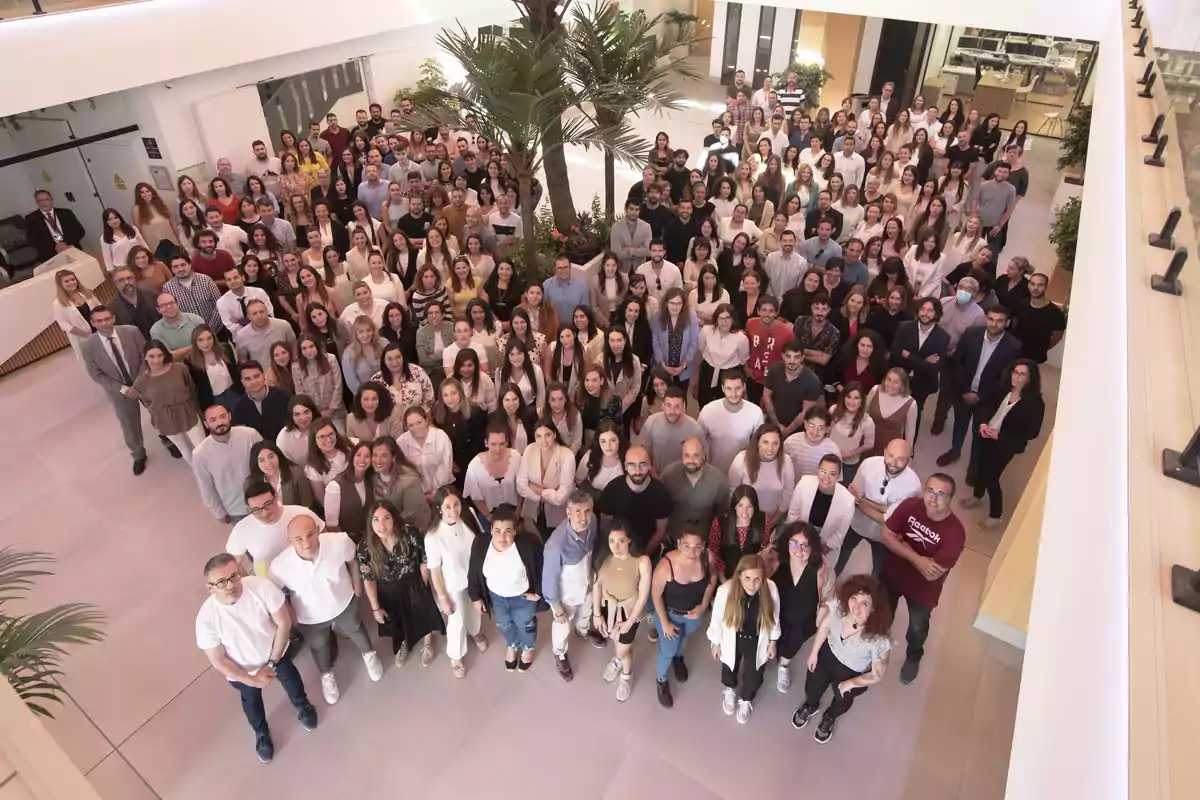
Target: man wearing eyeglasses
(243, 628)
(924, 539)
(263, 535)
(880, 484)
(221, 464)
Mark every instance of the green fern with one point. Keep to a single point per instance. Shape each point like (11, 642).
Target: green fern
(32, 646)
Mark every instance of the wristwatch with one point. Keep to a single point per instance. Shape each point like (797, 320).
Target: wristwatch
(272, 664)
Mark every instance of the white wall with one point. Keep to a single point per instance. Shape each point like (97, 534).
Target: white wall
(716, 53)
(781, 45)
(748, 40)
(867, 54)
(185, 37)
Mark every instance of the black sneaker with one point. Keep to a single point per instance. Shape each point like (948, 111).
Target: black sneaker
(172, 449)
(308, 718)
(680, 668)
(264, 747)
(908, 672)
(595, 639)
(664, 694)
(803, 714)
(824, 731)
(139, 465)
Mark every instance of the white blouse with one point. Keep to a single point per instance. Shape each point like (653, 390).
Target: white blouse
(926, 276)
(604, 475)
(389, 289)
(708, 308)
(486, 491)
(116, 252)
(723, 351)
(292, 443)
(434, 458)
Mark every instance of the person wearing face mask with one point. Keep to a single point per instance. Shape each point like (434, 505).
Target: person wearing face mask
(825, 504)
(849, 652)
(743, 632)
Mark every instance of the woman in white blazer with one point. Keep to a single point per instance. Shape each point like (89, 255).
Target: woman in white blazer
(546, 478)
(71, 302)
(744, 625)
(825, 504)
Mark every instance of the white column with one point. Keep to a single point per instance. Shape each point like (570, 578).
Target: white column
(748, 39)
(781, 42)
(717, 51)
(868, 51)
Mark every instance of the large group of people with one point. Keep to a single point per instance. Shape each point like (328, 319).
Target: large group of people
(386, 408)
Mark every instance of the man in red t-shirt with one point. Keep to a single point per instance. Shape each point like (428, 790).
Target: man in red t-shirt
(767, 337)
(209, 260)
(924, 540)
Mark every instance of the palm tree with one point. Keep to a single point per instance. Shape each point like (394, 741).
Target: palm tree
(629, 66)
(514, 88)
(32, 646)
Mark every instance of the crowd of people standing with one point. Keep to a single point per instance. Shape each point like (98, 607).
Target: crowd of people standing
(383, 406)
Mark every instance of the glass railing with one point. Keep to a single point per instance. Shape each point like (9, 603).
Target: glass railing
(16, 9)
(1178, 97)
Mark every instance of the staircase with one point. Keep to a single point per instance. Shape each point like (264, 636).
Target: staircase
(290, 104)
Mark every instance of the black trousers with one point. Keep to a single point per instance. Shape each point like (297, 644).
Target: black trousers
(918, 623)
(743, 659)
(992, 459)
(252, 702)
(830, 673)
(878, 552)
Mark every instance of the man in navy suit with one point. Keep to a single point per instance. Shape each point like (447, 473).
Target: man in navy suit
(51, 230)
(919, 347)
(976, 367)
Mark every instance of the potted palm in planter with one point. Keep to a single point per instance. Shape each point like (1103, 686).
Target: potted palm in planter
(683, 29)
(1072, 158)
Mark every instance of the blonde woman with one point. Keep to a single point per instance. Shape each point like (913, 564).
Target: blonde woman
(73, 305)
(462, 286)
(361, 358)
(742, 633)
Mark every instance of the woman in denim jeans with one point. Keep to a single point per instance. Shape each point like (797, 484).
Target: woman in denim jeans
(683, 586)
(504, 572)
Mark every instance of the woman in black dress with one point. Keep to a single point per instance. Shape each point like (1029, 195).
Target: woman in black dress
(504, 290)
(399, 329)
(805, 584)
(463, 421)
(392, 563)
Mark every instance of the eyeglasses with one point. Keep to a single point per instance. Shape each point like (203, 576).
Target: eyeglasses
(264, 508)
(224, 582)
(327, 437)
(829, 473)
(934, 494)
(796, 544)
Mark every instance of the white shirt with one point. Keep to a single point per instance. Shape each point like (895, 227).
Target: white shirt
(505, 572)
(320, 589)
(450, 352)
(487, 491)
(511, 221)
(671, 278)
(448, 547)
(604, 475)
(246, 628)
(723, 352)
(231, 310)
(233, 240)
(873, 483)
(294, 445)
(852, 167)
(926, 276)
(319, 480)
(807, 156)
(784, 272)
(728, 431)
(264, 542)
(779, 141)
(985, 355)
(389, 290)
(116, 252)
(726, 231)
(353, 312)
(433, 459)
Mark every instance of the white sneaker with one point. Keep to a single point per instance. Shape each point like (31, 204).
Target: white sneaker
(374, 667)
(329, 688)
(743, 711)
(783, 679)
(624, 688)
(612, 670)
(728, 701)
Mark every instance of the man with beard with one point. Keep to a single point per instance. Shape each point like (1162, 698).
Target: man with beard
(729, 423)
(661, 275)
(640, 499)
(818, 336)
(681, 228)
(665, 431)
(879, 485)
(133, 306)
(677, 175)
(922, 347)
(1037, 322)
(221, 464)
(699, 491)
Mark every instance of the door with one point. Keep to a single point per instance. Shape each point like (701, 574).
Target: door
(115, 169)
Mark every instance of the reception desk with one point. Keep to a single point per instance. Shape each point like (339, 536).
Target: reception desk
(29, 331)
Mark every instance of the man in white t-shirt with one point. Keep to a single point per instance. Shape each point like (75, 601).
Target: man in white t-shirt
(320, 572)
(878, 487)
(729, 423)
(257, 539)
(243, 628)
(507, 225)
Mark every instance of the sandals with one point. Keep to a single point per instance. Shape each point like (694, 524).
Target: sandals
(426, 655)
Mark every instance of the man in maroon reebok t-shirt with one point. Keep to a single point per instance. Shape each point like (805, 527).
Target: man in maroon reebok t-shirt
(924, 540)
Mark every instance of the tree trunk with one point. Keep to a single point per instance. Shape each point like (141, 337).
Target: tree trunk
(610, 180)
(532, 268)
(558, 182)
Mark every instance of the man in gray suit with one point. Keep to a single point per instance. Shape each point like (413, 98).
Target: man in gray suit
(630, 238)
(113, 358)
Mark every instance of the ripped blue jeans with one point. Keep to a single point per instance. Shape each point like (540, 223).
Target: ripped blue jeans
(516, 621)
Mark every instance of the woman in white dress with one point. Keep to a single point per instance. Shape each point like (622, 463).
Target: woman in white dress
(117, 239)
(448, 555)
(491, 477)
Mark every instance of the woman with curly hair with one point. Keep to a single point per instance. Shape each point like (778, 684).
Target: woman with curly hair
(849, 652)
(805, 585)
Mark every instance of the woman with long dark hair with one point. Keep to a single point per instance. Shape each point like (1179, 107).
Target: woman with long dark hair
(515, 415)
(623, 371)
(742, 633)
(853, 429)
(317, 374)
(393, 477)
(117, 239)
(620, 593)
(763, 467)
(863, 360)
(214, 370)
(348, 496)
(504, 290)
(744, 530)
(849, 652)
(805, 585)
(462, 421)
(165, 388)
(1013, 419)
(448, 545)
(409, 383)
(392, 563)
(676, 337)
(269, 465)
(596, 403)
(519, 369)
(546, 478)
(294, 438)
(603, 460)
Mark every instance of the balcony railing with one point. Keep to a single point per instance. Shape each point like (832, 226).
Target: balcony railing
(15, 9)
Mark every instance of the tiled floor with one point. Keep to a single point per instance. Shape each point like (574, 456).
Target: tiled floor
(147, 718)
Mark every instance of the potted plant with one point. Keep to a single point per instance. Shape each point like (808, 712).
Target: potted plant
(430, 85)
(1064, 232)
(810, 76)
(1072, 157)
(33, 644)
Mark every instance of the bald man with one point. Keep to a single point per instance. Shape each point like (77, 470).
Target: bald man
(881, 483)
(699, 491)
(641, 499)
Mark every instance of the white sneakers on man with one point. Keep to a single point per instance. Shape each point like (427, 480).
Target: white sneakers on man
(329, 688)
(374, 667)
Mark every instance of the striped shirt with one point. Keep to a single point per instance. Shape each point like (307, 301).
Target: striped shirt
(790, 100)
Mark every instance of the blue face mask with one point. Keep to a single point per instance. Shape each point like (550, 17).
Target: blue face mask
(963, 297)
